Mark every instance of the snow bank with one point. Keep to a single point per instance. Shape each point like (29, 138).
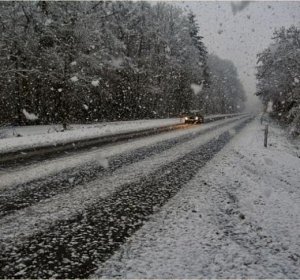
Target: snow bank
(34, 136)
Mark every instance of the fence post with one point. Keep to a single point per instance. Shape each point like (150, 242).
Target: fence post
(266, 135)
(261, 118)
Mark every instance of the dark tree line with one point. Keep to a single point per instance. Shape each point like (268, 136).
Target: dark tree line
(67, 62)
(225, 93)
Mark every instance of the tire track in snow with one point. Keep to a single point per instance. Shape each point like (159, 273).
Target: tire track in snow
(32, 192)
(250, 236)
(73, 248)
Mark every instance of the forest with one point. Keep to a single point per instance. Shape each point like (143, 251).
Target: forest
(278, 76)
(83, 62)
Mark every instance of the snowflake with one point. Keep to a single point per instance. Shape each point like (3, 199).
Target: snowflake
(116, 62)
(196, 88)
(74, 79)
(29, 116)
(95, 83)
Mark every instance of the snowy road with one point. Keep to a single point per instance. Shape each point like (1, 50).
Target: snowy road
(239, 217)
(37, 143)
(62, 218)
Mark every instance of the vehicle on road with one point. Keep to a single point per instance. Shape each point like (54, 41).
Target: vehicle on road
(193, 117)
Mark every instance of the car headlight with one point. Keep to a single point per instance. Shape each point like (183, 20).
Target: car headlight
(186, 118)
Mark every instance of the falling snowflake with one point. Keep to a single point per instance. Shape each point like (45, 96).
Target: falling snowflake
(29, 116)
(95, 83)
(74, 79)
(239, 6)
(71, 180)
(196, 88)
(116, 62)
(48, 22)
(270, 107)
(101, 159)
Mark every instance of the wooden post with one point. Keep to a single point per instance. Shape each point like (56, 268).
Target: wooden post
(266, 135)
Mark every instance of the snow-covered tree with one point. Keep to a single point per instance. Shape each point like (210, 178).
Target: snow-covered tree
(278, 76)
(88, 61)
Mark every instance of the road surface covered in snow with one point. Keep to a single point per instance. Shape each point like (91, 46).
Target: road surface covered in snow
(239, 217)
(53, 176)
(62, 221)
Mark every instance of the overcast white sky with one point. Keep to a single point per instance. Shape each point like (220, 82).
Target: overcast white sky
(241, 36)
